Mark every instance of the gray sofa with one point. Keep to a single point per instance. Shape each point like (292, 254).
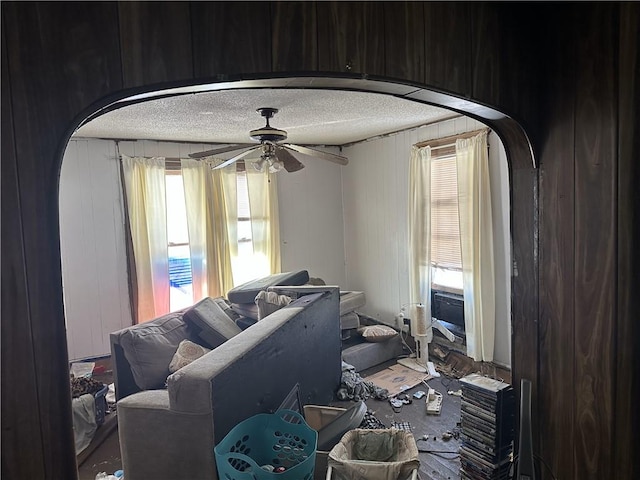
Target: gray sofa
(169, 433)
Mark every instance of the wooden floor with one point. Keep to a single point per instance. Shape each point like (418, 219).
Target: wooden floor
(106, 456)
(438, 461)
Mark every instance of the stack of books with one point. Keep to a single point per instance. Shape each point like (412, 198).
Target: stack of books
(488, 418)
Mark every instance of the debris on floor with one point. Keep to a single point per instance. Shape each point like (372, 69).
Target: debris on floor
(354, 387)
(401, 426)
(371, 422)
(434, 402)
(453, 363)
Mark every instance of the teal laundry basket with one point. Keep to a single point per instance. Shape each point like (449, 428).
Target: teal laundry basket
(281, 439)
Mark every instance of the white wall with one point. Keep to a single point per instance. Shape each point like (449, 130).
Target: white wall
(92, 248)
(311, 221)
(375, 193)
(92, 236)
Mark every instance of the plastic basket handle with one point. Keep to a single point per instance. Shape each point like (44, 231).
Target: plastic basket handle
(239, 456)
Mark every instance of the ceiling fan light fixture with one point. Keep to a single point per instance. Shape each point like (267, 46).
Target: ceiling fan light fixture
(260, 164)
(275, 165)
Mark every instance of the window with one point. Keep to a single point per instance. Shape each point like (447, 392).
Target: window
(446, 260)
(180, 280)
(245, 268)
(184, 221)
(450, 189)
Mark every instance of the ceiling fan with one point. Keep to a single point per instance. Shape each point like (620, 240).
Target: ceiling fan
(273, 153)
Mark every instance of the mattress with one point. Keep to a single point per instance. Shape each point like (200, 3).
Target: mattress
(349, 301)
(246, 293)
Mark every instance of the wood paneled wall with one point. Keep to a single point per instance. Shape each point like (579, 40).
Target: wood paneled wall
(568, 73)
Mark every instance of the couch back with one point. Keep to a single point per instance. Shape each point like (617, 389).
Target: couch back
(254, 371)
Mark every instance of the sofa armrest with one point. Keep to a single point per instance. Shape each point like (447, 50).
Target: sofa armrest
(157, 443)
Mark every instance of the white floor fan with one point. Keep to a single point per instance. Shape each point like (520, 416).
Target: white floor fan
(422, 333)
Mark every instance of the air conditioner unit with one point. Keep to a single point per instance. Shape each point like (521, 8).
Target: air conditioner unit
(448, 307)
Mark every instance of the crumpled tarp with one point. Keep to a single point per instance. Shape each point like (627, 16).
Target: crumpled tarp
(354, 387)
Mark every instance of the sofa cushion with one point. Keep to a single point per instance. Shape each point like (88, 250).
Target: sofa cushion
(149, 348)
(210, 321)
(187, 352)
(247, 310)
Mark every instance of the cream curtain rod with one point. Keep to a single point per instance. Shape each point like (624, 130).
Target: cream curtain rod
(451, 140)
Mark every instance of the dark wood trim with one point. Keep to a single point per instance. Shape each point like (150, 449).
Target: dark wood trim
(627, 374)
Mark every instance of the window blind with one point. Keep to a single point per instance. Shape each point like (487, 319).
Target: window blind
(445, 228)
(244, 209)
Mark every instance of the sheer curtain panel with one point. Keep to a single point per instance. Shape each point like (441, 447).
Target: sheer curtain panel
(476, 236)
(207, 222)
(420, 227)
(265, 224)
(144, 180)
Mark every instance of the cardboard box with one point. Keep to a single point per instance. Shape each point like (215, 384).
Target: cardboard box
(318, 416)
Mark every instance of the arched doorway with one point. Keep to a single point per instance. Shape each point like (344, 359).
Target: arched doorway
(501, 123)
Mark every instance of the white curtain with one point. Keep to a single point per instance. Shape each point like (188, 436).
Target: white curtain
(265, 224)
(476, 237)
(144, 180)
(420, 227)
(207, 221)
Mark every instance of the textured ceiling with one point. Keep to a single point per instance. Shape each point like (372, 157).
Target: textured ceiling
(310, 116)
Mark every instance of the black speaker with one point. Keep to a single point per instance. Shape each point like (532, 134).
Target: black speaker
(525, 447)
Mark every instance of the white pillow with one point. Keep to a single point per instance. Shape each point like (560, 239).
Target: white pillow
(377, 333)
(186, 353)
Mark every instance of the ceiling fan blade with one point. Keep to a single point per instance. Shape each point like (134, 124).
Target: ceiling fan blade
(290, 163)
(217, 151)
(236, 158)
(339, 159)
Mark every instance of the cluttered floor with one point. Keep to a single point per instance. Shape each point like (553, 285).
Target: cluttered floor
(436, 434)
